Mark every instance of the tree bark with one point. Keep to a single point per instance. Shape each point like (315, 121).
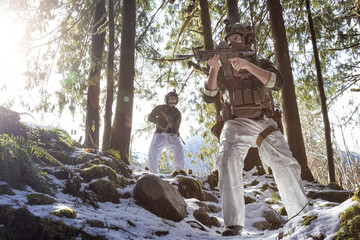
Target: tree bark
(330, 154)
(233, 11)
(121, 130)
(110, 80)
(93, 110)
(292, 125)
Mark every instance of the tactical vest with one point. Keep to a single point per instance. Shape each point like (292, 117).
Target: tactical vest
(243, 95)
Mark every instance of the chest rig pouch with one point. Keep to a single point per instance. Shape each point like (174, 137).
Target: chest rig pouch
(245, 96)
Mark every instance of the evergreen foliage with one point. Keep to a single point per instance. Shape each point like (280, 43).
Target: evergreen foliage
(17, 167)
(58, 33)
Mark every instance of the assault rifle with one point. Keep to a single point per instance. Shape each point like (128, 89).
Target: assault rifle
(223, 49)
(225, 52)
(171, 124)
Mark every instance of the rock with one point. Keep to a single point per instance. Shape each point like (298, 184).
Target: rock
(266, 217)
(202, 216)
(100, 171)
(40, 199)
(210, 197)
(213, 179)
(331, 195)
(160, 198)
(190, 188)
(105, 190)
(178, 172)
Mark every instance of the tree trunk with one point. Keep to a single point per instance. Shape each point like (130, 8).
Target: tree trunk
(121, 130)
(292, 125)
(322, 98)
(208, 42)
(110, 80)
(97, 48)
(233, 11)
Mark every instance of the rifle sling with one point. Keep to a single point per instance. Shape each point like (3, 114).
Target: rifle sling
(265, 133)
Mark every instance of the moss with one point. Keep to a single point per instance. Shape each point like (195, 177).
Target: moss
(66, 212)
(274, 198)
(356, 196)
(349, 223)
(100, 171)
(308, 219)
(61, 156)
(282, 211)
(105, 190)
(40, 199)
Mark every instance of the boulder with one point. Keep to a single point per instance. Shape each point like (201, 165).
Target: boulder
(160, 198)
(264, 217)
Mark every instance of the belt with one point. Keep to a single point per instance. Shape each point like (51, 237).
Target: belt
(265, 133)
(261, 117)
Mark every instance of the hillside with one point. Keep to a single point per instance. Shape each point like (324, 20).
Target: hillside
(52, 188)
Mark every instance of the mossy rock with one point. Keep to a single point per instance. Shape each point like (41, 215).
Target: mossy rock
(100, 171)
(40, 199)
(72, 187)
(66, 212)
(22, 224)
(329, 204)
(308, 219)
(61, 156)
(117, 165)
(105, 190)
(85, 158)
(95, 223)
(349, 223)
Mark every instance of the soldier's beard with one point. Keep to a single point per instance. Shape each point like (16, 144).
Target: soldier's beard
(239, 46)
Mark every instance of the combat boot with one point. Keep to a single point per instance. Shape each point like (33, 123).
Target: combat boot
(232, 230)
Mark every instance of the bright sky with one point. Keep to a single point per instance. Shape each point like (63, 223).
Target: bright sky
(10, 60)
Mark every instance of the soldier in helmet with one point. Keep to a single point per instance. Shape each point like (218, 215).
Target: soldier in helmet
(167, 118)
(245, 92)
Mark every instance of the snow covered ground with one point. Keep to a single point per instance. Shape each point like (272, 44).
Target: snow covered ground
(127, 220)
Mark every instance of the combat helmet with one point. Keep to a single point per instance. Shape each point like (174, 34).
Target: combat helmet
(172, 93)
(245, 30)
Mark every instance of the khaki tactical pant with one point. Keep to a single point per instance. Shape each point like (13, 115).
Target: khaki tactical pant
(237, 137)
(161, 140)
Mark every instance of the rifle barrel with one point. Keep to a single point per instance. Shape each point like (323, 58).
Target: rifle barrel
(185, 56)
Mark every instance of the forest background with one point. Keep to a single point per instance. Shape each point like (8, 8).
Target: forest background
(94, 67)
